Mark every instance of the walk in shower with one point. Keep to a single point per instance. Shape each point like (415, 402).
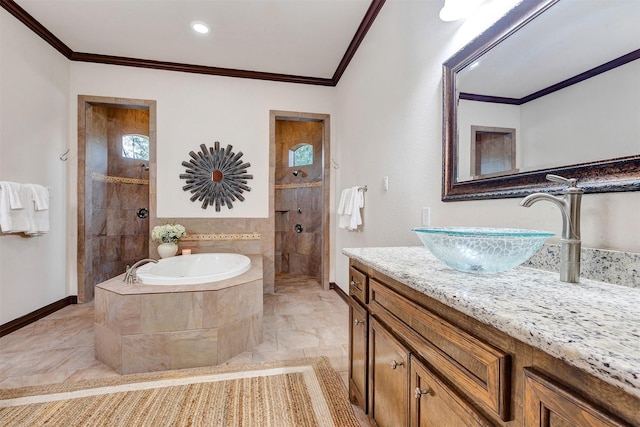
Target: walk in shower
(299, 198)
(113, 196)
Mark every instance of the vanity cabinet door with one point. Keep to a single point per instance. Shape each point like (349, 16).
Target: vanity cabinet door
(473, 366)
(358, 345)
(547, 404)
(388, 378)
(433, 404)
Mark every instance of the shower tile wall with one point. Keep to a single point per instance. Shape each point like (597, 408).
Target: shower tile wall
(118, 236)
(298, 253)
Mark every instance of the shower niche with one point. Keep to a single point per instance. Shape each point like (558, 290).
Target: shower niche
(282, 243)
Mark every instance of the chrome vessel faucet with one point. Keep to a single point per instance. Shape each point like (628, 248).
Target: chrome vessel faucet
(130, 274)
(569, 204)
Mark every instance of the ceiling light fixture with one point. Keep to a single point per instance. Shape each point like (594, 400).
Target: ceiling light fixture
(200, 27)
(458, 9)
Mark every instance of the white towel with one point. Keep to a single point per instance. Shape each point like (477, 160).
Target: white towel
(349, 215)
(13, 189)
(38, 210)
(40, 196)
(345, 196)
(343, 217)
(357, 203)
(15, 220)
(5, 208)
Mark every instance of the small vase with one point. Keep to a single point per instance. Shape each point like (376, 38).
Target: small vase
(166, 250)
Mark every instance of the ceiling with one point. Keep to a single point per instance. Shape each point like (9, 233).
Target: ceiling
(303, 41)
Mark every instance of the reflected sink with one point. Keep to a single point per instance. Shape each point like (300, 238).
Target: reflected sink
(481, 250)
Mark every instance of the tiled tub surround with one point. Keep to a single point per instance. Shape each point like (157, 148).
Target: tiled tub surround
(143, 328)
(247, 236)
(621, 268)
(591, 325)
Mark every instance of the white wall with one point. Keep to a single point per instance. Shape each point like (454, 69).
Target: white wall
(390, 123)
(199, 109)
(34, 99)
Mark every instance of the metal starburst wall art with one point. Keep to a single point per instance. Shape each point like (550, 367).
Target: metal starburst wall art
(216, 176)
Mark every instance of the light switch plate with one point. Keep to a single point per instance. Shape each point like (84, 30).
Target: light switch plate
(426, 217)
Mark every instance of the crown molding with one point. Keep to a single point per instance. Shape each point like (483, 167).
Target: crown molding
(30, 22)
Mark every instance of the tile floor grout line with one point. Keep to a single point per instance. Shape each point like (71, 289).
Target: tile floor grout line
(75, 321)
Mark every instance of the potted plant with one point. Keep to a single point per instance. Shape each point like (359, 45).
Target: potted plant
(168, 235)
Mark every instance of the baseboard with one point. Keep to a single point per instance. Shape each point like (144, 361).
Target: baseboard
(339, 291)
(27, 319)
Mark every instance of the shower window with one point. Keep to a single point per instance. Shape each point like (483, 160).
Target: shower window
(135, 147)
(301, 154)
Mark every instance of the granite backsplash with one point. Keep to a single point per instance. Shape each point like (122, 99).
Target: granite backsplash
(621, 268)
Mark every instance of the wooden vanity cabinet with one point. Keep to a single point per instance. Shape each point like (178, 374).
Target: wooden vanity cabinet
(452, 370)
(388, 378)
(358, 338)
(358, 346)
(473, 366)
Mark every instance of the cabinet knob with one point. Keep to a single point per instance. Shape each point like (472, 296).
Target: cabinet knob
(358, 322)
(356, 284)
(395, 364)
(419, 392)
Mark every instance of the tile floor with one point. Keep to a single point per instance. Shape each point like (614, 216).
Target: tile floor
(300, 319)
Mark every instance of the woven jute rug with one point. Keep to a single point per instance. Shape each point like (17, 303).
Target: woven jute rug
(300, 392)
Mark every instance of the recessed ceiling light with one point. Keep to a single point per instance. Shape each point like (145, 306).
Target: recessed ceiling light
(200, 27)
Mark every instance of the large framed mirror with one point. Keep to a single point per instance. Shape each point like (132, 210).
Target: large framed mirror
(565, 76)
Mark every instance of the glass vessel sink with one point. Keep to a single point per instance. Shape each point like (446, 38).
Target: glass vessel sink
(482, 250)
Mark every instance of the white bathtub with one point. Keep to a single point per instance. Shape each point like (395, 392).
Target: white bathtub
(193, 269)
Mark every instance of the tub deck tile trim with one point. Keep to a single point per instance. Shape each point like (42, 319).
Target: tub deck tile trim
(221, 236)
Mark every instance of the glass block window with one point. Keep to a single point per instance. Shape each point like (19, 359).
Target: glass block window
(301, 154)
(135, 147)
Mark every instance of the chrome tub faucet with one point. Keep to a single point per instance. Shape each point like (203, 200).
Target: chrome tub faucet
(569, 204)
(130, 276)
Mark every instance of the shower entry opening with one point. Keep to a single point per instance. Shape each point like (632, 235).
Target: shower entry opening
(116, 154)
(301, 196)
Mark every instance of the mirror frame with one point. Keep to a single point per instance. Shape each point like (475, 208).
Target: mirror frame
(603, 176)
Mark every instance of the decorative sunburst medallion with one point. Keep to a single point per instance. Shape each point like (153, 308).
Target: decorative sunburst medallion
(216, 176)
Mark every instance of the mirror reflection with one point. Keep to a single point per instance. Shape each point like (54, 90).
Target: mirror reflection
(594, 119)
(567, 85)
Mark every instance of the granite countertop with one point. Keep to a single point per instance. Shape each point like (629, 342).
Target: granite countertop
(591, 325)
